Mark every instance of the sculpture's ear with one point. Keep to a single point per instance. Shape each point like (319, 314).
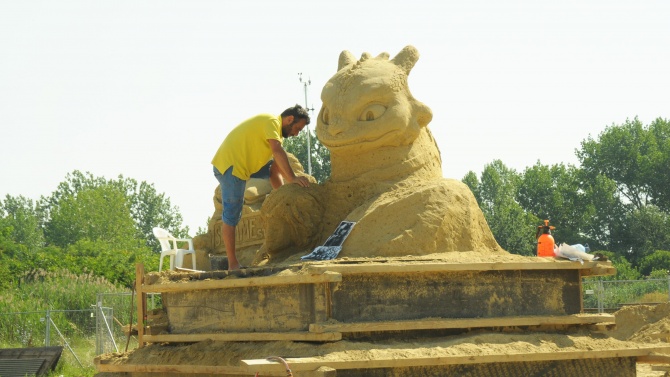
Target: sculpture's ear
(406, 58)
(422, 113)
(346, 58)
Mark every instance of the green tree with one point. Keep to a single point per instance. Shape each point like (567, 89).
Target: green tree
(93, 213)
(636, 157)
(624, 269)
(635, 160)
(603, 212)
(150, 209)
(645, 230)
(22, 215)
(320, 154)
(553, 193)
(8, 251)
(658, 260)
(513, 228)
(658, 157)
(145, 206)
(115, 263)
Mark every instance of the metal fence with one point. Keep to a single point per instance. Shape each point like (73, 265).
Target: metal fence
(114, 312)
(49, 328)
(84, 333)
(610, 295)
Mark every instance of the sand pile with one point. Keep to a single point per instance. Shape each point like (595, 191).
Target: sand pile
(642, 323)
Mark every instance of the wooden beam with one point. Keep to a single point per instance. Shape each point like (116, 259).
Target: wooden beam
(265, 281)
(599, 270)
(298, 364)
(433, 266)
(245, 337)
(205, 369)
(181, 368)
(141, 309)
(654, 359)
(461, 323)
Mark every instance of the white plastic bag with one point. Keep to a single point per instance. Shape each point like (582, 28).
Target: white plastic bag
(573, 253)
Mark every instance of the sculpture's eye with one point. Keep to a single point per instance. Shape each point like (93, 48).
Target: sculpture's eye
(325, 115)
(372, 112)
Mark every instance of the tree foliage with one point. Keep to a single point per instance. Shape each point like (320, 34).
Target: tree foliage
(636, 157)
(88, 224)
(553, 193)
(21, 214)
(617, 200)
(107, 209)
(496, 192)
(632, 162)
(99, 213)
(320, 155)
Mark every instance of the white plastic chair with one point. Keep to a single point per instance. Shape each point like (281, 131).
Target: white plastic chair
(172, 250)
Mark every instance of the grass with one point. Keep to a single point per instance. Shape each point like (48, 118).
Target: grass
(71, 303)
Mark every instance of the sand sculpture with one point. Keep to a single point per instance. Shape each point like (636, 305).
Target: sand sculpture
(385, 174)
(250, 233)
(480, 313)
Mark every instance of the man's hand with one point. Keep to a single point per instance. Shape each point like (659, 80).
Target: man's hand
(284, 167)
(302, 181)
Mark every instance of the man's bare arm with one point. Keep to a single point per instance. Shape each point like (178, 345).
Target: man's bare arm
(281, 159)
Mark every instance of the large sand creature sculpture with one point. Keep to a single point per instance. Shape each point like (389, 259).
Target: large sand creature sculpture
(386, 174)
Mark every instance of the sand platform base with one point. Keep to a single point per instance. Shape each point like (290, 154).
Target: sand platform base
(400, 317)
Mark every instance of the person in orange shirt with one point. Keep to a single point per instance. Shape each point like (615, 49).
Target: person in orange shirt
(254, 149)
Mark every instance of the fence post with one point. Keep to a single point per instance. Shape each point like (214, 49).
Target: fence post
(668, 285)
(47, 339)
(601, 293)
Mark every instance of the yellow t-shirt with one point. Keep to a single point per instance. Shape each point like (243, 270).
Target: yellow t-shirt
(246, 147)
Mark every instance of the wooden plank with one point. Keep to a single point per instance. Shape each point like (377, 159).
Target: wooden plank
(321, 372)
(181, 368)
(148, 330)
(141, 310)
(599, 270)
(298, 364)
(182, 269)
(432, 266)
(654, 359)
(106, 366)
(205, 369)
(321, 303)
(245, 337)
(264, 281)
(461, 323)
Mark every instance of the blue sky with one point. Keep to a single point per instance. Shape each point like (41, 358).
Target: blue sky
(149, 89)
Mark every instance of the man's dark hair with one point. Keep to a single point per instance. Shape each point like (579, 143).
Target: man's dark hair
(298, 113)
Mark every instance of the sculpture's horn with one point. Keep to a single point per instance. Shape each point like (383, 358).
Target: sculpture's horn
(383, 55)
(346, 58)
(406, 58)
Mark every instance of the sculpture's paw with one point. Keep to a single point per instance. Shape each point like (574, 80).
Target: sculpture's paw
(292, 218)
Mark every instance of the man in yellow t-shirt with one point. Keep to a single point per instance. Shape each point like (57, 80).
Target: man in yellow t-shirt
(254, 149)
